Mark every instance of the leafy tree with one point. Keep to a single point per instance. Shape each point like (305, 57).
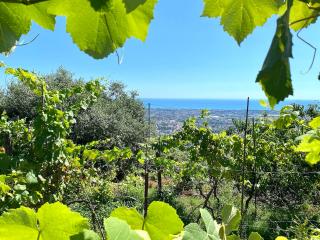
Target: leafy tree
(117, 115)
(38, 157)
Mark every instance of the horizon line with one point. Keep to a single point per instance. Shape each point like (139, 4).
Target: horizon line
(244, 99)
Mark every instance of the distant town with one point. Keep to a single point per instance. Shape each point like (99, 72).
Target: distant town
(170, 120)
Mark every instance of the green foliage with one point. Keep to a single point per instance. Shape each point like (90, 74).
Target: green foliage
(52, 221)
(213, 159)
(162, 221)
(301, 10)
(274, 172)
(116, 114)
(275, 76)
(16, 20)
(231, 218)
(118, 229)
(240, 18)
(85, 235)
(310, 142)
(214, 231)
(133, 4)
(31, 150)
(98, 37)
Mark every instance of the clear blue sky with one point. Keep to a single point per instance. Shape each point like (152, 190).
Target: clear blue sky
(185, 56)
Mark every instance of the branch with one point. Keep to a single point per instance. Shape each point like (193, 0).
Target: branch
(25, 2)
(304, 19)
(313, 8)
(94, 217)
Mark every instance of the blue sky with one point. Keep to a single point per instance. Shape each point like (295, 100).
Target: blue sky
(184, 56)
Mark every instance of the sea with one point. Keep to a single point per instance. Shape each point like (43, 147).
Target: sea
(217, 104)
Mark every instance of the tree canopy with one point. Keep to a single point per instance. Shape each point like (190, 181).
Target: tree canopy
(116, 115)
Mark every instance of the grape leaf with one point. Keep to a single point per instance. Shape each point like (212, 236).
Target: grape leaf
(161, 222)
(38, 13)
(255, 236)
(315, 123)
(194, 232)
(133, 4)
(211, 225)
(231, 217)
(19, 224)
(4, 188)
(56, 221)
(310, 142)
(299, 11)
(15, 20)
(85, 235)
(131, 216)
(281, 238)
(239, 18)
(118, 229)
(100, 33)
(275, 76)
(53, 221)
(130, 4)
(213, 8)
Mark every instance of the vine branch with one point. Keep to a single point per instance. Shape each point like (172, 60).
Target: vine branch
(305, 19)
(25, 2)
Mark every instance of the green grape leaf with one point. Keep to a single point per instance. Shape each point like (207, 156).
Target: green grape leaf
(56, 221)
(85, 235)
(194, 232)
(100, 32)
(4, 188)
(231, 218)
(299, 11)
(118, 229)
(31, 178)
(281, 238)
(233, 237)
(311, 146)
(143, 234)
(129, 4)
(133, 4)
(212, 226)
(15, 20)
(162, 221)
(275, 76)
(53, 221)
(213, 8)
(315, 123)
(255, 236)
(19, 224)
(239, 18)
(131, 216)
(20, 187)
(38, 13)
